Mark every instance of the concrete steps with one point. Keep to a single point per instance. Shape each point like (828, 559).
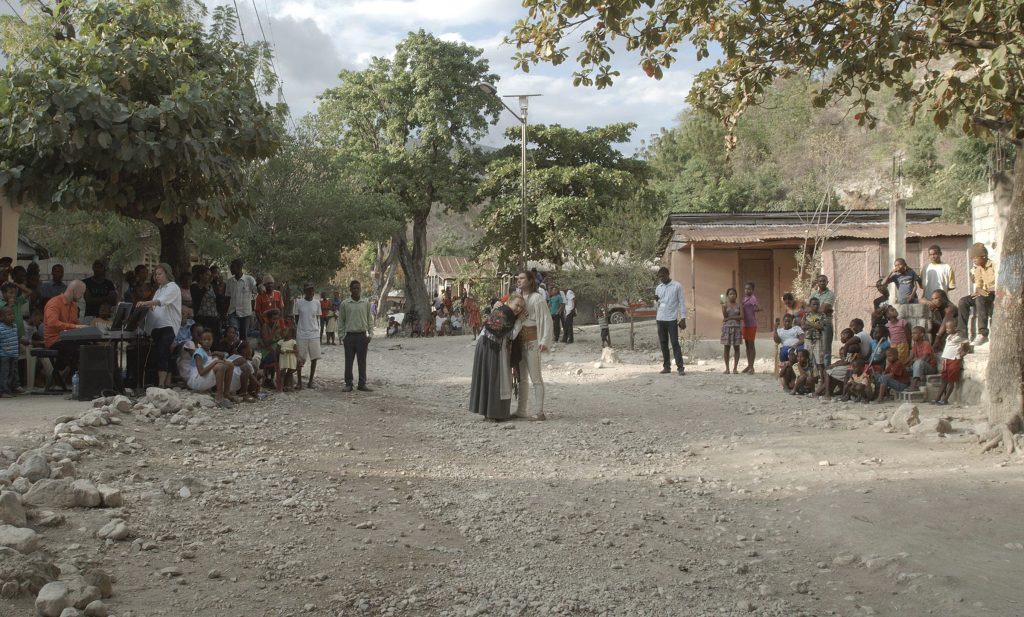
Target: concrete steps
(972, 386)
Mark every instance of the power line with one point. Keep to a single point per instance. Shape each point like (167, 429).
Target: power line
(16, 13)
(273, 66)
(238, 17)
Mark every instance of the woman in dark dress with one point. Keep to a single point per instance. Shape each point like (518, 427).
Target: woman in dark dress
(490, 392)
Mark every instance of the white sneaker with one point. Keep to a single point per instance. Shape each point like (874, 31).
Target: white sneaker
(979, 341)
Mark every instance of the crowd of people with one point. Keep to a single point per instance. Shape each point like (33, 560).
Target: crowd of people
(226, 335)
(884, 354)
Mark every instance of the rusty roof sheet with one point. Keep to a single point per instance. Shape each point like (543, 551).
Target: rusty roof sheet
(448, 265)
(751, 234)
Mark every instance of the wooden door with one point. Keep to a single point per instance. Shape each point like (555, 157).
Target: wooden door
(756, 267)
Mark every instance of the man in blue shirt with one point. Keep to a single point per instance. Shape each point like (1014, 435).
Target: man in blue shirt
(671, 318)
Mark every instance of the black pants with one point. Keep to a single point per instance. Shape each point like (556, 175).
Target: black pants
(606, 338)
(356, 344)
(982, 310)
(669, 331)
(568, 319)
(68, 355)
(163, 343)
(556, 321)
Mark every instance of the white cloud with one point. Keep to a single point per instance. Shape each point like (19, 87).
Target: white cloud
(320, 37)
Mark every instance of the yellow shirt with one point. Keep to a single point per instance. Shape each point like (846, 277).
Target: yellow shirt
(984, 277)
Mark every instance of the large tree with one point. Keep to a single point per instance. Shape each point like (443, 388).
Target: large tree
(308, 206)
(575, 178)
(956, 61)
(135, 107)
(413, 120)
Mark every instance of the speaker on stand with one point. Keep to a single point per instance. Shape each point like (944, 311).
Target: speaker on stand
(97, 371)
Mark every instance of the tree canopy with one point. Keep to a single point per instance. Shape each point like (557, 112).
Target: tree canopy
(956, 61)
(137, 109)
(413, 121)
(575, 178)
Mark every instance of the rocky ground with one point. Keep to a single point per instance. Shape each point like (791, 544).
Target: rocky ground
(644, 494)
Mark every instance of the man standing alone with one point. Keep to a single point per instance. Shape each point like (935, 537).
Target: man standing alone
(557, 305)
(671, 318)
(307, 332)
(355, 325)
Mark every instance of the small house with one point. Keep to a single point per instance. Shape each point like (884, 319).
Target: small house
(447, 272)
(709, 252)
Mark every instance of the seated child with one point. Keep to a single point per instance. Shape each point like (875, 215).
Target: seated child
(858, 386)
(922, 358)
(393, 328)
(894, 377)
(805, 374)
(879, 345)
(952, 359)
(186, 351)
(834, 378)
(102, 319)
(227, 343)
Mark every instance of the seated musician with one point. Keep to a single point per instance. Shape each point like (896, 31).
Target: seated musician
(61, 315)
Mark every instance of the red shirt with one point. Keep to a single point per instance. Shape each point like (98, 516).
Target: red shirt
(325, 307)
(898, 372)
(923, 351)
(265, 302)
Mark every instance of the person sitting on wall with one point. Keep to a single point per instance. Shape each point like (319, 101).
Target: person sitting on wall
(984, 276)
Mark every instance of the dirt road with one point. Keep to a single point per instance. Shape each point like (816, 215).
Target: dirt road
(644, 494)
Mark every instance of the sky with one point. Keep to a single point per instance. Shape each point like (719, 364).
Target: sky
(314, 39)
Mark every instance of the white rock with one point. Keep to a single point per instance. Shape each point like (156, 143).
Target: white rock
(905, 417)
(35, 468)
(86, 494)
(933, 425)
(51, 493)
(96, 608)
(116, 529)
(19, 538)
(110, 497)
(11, 510)
(52, 599)
(121, 403)
(163, 400)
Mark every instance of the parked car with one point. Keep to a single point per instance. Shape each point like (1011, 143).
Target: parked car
(617, 311)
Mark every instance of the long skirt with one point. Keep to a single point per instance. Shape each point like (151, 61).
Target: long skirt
(485, 389)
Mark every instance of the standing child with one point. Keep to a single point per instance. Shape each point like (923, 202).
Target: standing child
(922, 358)
(10, 383)
(602, 322)
(899, 334)
(287, 361)
(805, 375)
(827, 332)
(952, 358)
(814, 325)
(750, 310)
(732, 330)
(895, 376)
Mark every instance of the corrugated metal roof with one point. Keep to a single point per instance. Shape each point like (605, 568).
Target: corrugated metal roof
(751, 234)
(448, 265)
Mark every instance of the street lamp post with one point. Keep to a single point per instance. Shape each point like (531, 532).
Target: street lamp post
(524, 104)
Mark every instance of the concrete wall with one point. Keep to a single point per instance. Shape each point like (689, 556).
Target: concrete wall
(785, 272)
(988, 219)
(717, 270)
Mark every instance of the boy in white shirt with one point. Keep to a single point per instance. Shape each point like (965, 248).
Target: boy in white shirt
(936, 275)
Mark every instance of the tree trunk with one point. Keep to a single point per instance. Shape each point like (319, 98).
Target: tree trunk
(1005, 373)
(173, 248)
(413, 261)
(387, 283)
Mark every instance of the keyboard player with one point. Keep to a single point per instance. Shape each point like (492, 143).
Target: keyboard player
(60, 315)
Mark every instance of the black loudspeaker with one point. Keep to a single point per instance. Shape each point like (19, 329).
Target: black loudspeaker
(140, 363)
(97, 371)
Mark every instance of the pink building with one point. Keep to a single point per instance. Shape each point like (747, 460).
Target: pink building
(708, 252)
